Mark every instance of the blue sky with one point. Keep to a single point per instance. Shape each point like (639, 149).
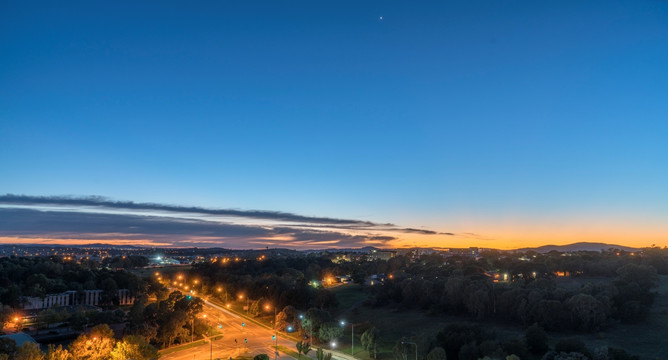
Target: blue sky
(522, 121)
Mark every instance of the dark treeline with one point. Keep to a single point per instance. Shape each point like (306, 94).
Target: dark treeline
(532, 294)
(466, 341)
(280, 281)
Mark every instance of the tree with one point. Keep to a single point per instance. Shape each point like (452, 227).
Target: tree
(5, 315)
(437, 353)
(29, 351)
(586, 312)
(261, 357)
(133, 347)
(109, 291)
(78, 320)
(7, 346)
(643, 275)
(330, 331)
(95, 345)
(325, 299)
(321, 355)
(58, 353)
(314, 319)
(536, 339)
(369, 339)
(256, 307)
(454, 336)
(170, 326)
(469, 351)
(303, 347)
(571, 345)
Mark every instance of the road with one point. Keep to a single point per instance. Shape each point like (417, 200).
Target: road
(259, 339)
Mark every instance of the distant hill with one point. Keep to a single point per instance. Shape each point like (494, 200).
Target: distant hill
(579, 246)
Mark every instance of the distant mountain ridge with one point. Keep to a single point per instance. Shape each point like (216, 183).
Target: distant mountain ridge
(579, 246)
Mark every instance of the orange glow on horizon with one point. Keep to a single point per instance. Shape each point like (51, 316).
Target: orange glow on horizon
(503, 236)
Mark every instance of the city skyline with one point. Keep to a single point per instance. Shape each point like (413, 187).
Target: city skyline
(482, 123)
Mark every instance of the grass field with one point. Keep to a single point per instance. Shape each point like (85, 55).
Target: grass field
(348, 295)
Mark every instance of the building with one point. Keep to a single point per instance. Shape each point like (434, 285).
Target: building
(382, 254)
(72, 297)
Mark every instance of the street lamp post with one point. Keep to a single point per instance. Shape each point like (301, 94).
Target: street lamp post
(352, 336)
(352, 339)
(411, 343)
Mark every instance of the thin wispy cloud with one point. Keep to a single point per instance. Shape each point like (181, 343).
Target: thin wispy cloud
(79, 218)
(99, 201)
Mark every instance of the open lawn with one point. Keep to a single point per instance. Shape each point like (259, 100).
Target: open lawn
(167, 270)
(348, 295)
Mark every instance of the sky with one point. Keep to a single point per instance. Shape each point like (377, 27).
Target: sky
(481, 123)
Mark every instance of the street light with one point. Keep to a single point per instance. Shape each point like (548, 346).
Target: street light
(333, 344)
(411, 343)
(352, 336)
(267, 307)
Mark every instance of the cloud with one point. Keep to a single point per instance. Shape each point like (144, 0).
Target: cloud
(418, 231)
(100, 201)
(75, 219)
(70, 226)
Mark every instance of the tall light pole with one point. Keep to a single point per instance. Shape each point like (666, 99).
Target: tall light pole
(352, 336)
(411, 343)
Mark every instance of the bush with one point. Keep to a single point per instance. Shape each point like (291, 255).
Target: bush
(571, 345)
(261, 357)
(536, 339)
(619, 354)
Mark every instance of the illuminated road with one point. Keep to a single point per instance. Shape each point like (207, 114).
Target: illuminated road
(259, 339)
